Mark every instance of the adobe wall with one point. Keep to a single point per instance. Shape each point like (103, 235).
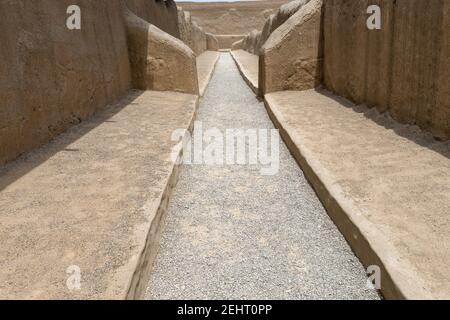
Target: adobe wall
(226, 40)
(292, 57)
(404, 68)
(158, 60)
(52, 78)
(162, 14)
(250, 42)
(199, 44)
(254, 40)
(212, 44)
(190, 33)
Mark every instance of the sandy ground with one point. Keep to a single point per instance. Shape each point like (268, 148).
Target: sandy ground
(232, 18)
(88, 199)
(232, 233)
(391, 180)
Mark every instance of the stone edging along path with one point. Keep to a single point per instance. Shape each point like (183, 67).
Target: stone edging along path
(149, 251)
(407, 239)
(233, 233)
(247, 65)
(386, 190)
(206, 63)
(91, 203)
(94, 200)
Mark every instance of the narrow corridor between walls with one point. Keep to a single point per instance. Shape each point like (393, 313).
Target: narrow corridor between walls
(234, 233)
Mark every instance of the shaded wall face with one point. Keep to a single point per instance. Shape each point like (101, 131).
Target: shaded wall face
(160, 13)
(404, 68)
(52, 78)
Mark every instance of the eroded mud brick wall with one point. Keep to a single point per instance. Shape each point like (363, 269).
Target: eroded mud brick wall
(292, 56)
(404, 68)
(52, 78)
(190, 33)
(160, 13)
(226, 41)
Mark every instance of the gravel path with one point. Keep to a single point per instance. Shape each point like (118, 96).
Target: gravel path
(232, 233)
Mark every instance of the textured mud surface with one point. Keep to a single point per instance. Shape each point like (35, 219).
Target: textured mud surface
(392, 180)
(87, 199)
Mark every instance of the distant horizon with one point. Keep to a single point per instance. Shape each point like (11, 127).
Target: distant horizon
(214, 0)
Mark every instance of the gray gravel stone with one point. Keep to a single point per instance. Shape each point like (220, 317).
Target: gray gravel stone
(232, 233)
